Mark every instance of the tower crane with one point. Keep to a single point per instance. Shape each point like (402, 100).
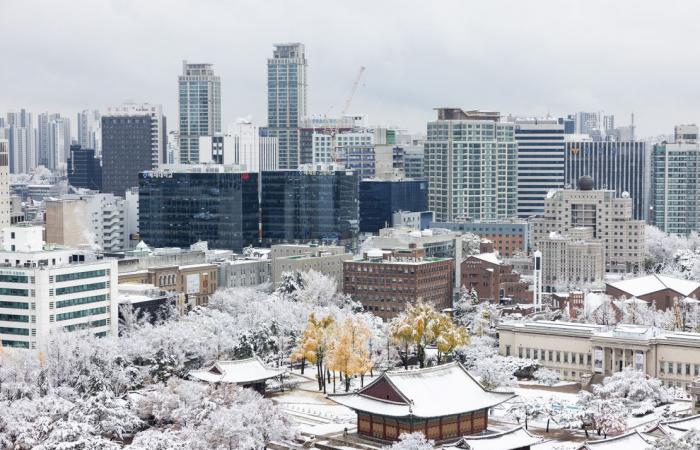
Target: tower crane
(334, 128)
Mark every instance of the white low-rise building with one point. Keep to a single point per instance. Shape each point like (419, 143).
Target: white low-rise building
(45, 288)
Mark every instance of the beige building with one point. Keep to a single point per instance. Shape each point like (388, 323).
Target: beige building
(573, 259)
(66, 222)
(609, 218)
(578, 351)
(325, 259)
(5, 206)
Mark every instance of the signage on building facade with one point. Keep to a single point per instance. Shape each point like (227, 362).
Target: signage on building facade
(598, 360)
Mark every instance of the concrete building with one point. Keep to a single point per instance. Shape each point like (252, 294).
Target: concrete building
(58, 140)
(159, 130)
(244, 272)
(574, 259)
(609, 217)
(5, 201)
(89, 130)
(127, 150)
(45, 288)
(509, 237)
(84, 168)
(418, 220)
(131, 217)
(242, 145)
(199, 108)
(286, 100)
(325, 259)
(493, 280)
(620, 166)
(66, 222)
(435, 243)
(315, 125)
(540, 162)
(675, 182)
(389, 162)
(182, 204)
(147, 301)
(577, 351)
(471, 166)
(386, 281)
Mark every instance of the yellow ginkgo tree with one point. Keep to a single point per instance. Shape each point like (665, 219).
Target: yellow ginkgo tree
(349, 353)
(313, 344)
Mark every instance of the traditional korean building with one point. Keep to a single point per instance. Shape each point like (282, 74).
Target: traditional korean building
(516, 439)
(251, 373)
(443, 402)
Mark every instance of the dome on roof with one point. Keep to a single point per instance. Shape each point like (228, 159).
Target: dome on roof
(585, 183)
(625, 194)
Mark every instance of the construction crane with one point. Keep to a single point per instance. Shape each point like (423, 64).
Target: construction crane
(334, 128)
(352, 92)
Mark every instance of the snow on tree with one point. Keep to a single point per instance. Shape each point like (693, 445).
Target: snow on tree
(635, 311)
(471, 244)
(153, 439)
(412, 441)
(687, 441)
(546, 376)
(605, 415)
(633, 386)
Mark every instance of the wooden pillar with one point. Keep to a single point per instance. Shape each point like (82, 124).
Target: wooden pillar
(459, 425)
(486, 418)
(384, 428)
(472, 419)
(440, 427)
(425, 429)
(411, 424)
(371, 425)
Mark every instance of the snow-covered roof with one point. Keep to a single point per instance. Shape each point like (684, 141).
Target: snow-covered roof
(633, 440)
(242, 371)
(489, 257)
(684, 424)
(432, 392)
(654, 283)
(505, 440)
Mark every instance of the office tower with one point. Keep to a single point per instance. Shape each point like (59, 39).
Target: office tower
(42, 139)
(413, 154)
(89, 129)
(302, 206)
(308, 126)
(286, 100)
(471, 166)
(84, 168)
(5, 203)
(380, 199)
(19, 131)
(609, 217)
(242, 145)
(200, 108)
(127, 149)
(53, 289)
(352, 149)
(618, 166)
(59, 140)
(181, 205)
(608, 123)
(569, 123)
(587, 123)
(675, 182)
(158, 126)
(540, 162)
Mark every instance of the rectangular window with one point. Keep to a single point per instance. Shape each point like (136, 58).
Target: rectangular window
(527, 353)
(14, 278)
(81, 313)
(566, 357)
(13, 318)
(14, 292)
(558, 356)
(507, 350)
(520, 352)
(81, 301)
(550, 355)
(17, 331)
(80, 275)
(15, 344)
(14, 305)
(80, 288)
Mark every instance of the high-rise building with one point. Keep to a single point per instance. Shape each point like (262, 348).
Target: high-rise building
(587, 123)
(286, 100)
(127, 149)
(59, 140)
(540, 162)
(158, 126)
(42, 139)
(352, 149)
(180, 205)
(308, 205)
(89, 129)
(675, 182)
(53, 289)
(471, 166)
(609, 218)
(19, 132)
(618, 166)
(5, 202)
(84, 168)
(310, 126)
(379, 199)
(200, 108)
(242, 145)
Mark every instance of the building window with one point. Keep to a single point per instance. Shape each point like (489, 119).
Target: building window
(558, 356)
(508, 351)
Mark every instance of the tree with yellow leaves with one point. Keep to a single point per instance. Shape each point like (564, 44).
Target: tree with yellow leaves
(401, 330)
(313, 345)
(349, 353)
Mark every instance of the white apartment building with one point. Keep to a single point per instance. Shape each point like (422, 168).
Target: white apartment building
(609, 218)
(47, 288)
(5, 202)
(572, 260)
(242, 145)
(158, 136)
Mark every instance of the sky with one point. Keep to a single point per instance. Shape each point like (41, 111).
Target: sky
(530, 58)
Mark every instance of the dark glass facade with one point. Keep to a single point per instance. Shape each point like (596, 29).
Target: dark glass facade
(179, 209)
(84, 169)
(127, 149)
(379, 199)
(306, 206)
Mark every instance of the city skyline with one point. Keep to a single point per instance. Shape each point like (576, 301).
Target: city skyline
(559, 68)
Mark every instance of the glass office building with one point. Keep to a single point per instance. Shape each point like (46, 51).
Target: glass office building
(177, 209)
(379, 199)
(309, 206)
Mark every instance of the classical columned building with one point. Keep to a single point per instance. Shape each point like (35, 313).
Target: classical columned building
(443, 402)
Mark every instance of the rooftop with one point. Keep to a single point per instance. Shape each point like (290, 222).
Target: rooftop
(653, 283)
(505, 440)
(242, 371)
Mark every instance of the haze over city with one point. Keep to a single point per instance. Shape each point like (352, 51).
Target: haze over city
(619, 57)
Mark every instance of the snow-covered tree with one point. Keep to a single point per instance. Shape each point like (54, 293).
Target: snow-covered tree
(546, 376)
(412, 441)
(687, 441)
(633, 386)
(605, 415)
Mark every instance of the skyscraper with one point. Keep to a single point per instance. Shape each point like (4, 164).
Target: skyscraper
(59, 139)
(286, 100)
(158, 126)
(20, 136)
(200, 108)
(540, 162)
(127, 149)
(4, 185)
(618, 166)
(675, 182)
(471, 166)
(89, 130)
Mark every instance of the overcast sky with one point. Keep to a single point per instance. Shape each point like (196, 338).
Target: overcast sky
(521, 57)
